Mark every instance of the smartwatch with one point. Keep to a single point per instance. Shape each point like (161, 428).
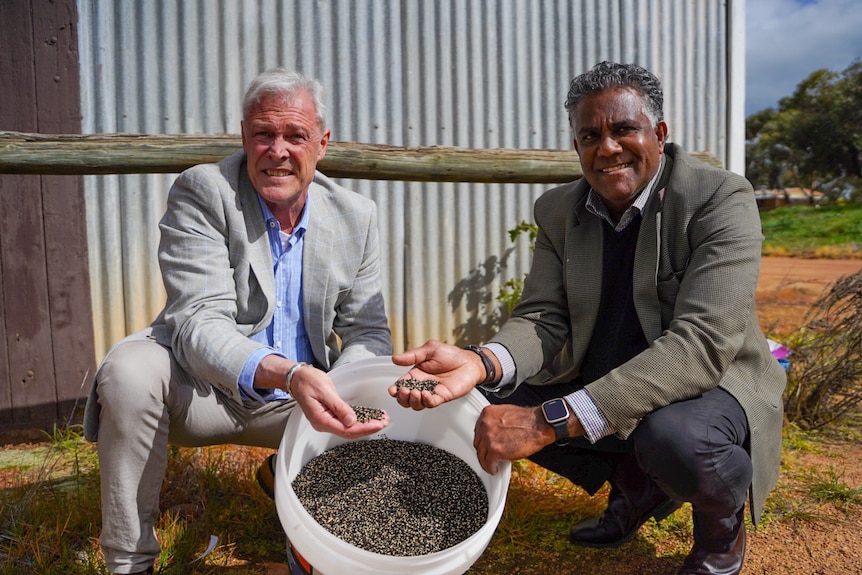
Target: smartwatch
(556, 413)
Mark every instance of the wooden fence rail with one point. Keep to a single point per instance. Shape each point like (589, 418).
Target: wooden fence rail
(82, 154)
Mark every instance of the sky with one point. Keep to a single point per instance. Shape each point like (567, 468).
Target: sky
(787, 40)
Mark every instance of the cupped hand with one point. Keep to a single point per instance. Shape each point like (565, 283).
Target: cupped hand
(456, 370)
(325, 410)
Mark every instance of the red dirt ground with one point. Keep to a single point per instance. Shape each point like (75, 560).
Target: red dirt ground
(788, 287)
(825, 540)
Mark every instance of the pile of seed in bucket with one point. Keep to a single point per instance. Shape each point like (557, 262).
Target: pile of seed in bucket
(420, 384)
(365, 414)
(393, 497)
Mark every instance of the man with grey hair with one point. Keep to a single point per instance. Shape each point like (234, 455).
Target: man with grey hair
(635, 355)
(272, 276)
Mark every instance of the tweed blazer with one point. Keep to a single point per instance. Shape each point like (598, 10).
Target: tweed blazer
(217, 268)
(696, 266)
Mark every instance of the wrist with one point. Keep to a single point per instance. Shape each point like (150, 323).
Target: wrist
(487, 364)
(557, 416)
(547, 432)
(576, 429)
(288, 379)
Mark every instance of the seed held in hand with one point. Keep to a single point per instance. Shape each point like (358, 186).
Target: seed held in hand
(366, 414)
(420, 384)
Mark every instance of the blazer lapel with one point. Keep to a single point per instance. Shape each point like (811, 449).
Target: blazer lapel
(260, 254)
(647, 258)
(584, 274)
(315, 278)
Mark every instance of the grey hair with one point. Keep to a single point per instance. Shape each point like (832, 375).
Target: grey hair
(610, 75)
(277, 81)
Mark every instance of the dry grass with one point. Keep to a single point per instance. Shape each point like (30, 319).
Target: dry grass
(825, 376)
(50, 511)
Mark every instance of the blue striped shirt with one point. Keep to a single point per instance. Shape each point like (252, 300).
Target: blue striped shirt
(285, 335)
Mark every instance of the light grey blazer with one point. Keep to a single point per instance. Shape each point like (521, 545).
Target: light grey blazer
(217, 269)
(695, 274)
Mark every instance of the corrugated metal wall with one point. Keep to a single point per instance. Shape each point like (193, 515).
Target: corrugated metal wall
(477, 73)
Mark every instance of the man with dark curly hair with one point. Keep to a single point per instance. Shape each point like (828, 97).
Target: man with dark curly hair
(635, 355)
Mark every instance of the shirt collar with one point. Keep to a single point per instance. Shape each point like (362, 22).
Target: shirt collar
(272, 223)
(596, 206)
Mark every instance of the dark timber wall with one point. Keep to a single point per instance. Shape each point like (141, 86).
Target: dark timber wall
(46, 331)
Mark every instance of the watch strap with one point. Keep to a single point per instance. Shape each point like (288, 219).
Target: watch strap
(490, 371)
(561, 430)
(561, 427)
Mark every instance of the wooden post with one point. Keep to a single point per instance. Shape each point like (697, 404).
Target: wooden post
(46, 327)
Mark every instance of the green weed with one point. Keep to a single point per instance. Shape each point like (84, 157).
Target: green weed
(797, 439)
(829, 487)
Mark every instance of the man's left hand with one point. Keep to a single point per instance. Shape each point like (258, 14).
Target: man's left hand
(457, 372)
(509, 432)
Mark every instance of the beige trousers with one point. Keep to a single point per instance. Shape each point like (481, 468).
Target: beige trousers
(146, 401)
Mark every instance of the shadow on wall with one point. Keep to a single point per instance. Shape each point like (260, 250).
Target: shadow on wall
(485, 313)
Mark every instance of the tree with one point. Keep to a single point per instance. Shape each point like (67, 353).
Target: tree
(814, 139)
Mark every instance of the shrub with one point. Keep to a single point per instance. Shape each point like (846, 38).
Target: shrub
(824, 379)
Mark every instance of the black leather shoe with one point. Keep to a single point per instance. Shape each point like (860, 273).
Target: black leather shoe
(714, 558)
(702, 561)
(634, 498)
(620, 521)
(266, 476)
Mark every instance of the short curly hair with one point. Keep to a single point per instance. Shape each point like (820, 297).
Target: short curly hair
(609, 75)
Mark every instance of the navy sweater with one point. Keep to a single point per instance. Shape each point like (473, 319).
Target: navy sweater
(618, 335)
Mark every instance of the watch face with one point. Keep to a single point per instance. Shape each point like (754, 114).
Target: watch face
(555, 410)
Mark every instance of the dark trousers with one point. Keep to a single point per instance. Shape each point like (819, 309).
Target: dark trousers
(695, 450)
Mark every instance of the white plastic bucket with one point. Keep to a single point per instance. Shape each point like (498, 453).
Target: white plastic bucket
(449, 427)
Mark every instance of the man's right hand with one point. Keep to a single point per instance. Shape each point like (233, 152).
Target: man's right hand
(457, 370)
(316, 396)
